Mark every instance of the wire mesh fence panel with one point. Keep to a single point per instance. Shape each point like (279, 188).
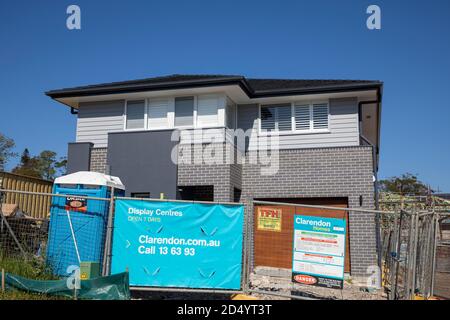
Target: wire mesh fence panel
(441, 280)
(21, 234)
(410, 265)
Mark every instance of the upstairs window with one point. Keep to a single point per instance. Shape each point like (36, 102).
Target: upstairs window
(207, 111)
(135, 114)
(184, 111)
(311, 117)
(157, 113)
(276, 117)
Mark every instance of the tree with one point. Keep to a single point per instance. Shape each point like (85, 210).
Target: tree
(43, 166)
(28, 166)
(6, 146)
(406, 184)
(46, 164)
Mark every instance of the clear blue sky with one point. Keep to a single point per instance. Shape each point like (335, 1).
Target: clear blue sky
(123, 40)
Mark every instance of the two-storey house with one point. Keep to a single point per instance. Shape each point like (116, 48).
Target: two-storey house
(234, 139)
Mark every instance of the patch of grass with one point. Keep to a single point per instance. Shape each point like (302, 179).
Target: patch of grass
(21, 295)
(32, 269)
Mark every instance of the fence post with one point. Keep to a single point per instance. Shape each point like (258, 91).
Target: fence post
(3, 280)
(392, 264)
(108, 238)
(433, 266)
(397, 258)
(414, 260)
(244, 254)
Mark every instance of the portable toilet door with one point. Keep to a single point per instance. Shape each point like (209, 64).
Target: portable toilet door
(77, 224)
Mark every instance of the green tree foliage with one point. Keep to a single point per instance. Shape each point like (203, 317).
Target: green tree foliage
(28, 166)
(6, 153)
(406, 184)
(45, 165)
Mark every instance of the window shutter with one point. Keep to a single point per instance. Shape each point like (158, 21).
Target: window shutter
(302, 117)
(284, 118)
(157, 113)
(320, 116)
(268, 118)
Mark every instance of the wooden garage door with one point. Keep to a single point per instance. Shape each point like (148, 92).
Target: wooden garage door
(274, 248)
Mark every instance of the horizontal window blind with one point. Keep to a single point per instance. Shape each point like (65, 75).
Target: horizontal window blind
(135, 114)
(184, 111)
(320, 116)
(207, 108)
(157, 113)
(268, 118)
(302, 117)
(284, 119)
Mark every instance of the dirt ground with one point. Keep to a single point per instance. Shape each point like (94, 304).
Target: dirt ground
(279, 281)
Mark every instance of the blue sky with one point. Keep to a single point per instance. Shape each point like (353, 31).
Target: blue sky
(123, 40)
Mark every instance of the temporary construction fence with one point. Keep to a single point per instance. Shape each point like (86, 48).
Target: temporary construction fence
(407, 248)
(411, 242)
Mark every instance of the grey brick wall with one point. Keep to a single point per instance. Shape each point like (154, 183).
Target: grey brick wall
(325, 172)
(98, 160)
(303, 173)
(224, 177)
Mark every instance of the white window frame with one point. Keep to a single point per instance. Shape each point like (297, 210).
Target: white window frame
(194, 115)
(147, 110)
(125, 115)
(171, 116)
(293, 123)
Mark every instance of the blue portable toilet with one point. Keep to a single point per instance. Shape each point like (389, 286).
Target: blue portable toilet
(77, 222)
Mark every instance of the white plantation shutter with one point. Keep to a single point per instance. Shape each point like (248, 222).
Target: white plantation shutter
(284, 120)
(157, 113)
(207, 110)
(276, 117)
(302, 117)
(320, 116)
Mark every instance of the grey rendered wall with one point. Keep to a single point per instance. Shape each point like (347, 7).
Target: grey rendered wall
(344, 127)
(325, 172)
(97, 119)
(79, 157)
(142, 160)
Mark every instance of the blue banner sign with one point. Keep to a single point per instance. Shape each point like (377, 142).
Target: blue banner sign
(319, 251)
(178, 244)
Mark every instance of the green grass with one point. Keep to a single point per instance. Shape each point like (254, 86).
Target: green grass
(32, 269)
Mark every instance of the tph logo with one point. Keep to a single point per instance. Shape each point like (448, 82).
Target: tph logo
(374, 20)
(73, 21)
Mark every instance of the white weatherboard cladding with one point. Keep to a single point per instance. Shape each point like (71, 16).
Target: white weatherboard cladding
(343, 127)
(97, 119)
